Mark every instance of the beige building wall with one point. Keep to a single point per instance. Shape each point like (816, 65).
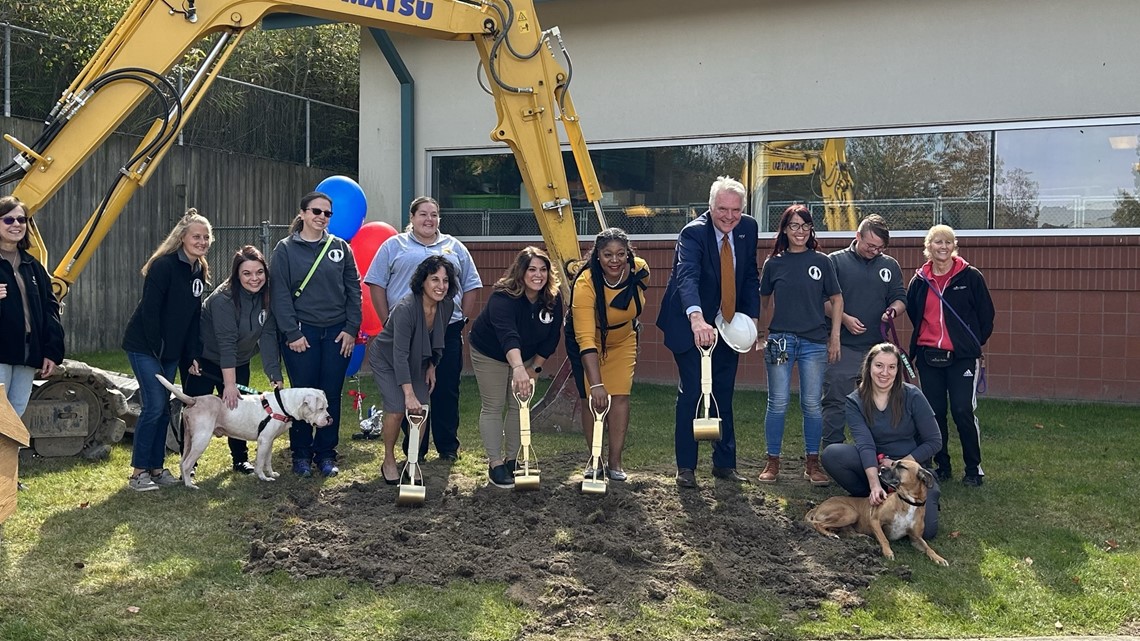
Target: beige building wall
(661, 69)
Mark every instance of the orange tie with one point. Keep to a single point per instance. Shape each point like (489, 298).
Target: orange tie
(727, 282)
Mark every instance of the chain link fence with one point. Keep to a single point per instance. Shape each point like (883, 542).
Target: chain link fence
(228, 239)
(235, 116)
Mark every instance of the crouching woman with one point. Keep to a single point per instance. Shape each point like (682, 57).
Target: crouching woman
(889, 420)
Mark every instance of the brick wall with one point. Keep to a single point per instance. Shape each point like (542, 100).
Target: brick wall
(1068, 312)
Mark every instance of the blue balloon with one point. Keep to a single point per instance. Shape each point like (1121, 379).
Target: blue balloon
(348, 202)
(357, 358)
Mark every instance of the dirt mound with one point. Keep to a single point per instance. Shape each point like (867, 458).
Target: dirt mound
(563, 552)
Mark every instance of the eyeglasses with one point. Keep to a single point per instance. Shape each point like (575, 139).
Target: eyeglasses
(874, 249)
(799, 226)
(12, 220)
(317, 211)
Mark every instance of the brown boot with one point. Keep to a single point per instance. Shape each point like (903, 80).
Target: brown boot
(771, 470)
(814, 473)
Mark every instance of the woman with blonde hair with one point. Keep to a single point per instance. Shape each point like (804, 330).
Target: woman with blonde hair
(510, 340)
(953, 316)
(162, 334)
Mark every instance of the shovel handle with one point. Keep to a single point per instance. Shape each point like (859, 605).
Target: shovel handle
(706, 372)
(417, 420)
(524, 415)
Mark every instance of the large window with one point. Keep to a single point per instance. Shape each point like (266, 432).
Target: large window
(1073, 177)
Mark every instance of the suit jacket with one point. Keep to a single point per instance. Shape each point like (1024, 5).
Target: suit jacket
(696, 278)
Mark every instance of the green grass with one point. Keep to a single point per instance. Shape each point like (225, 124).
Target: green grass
(1051, 539)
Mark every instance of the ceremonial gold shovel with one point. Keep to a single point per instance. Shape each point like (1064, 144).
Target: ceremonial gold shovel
(705, 428)
(413, 492)
(526, 464)
(596, 484)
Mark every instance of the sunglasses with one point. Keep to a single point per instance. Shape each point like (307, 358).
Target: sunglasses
(12, 220)
(317, 211)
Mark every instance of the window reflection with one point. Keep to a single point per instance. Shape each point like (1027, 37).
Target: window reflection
(1050, 178)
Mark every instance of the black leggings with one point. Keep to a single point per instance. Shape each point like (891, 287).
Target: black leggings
(211, 381)
(958, 382)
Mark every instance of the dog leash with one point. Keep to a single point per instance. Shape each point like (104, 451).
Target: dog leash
(891, 335)
(980, 385)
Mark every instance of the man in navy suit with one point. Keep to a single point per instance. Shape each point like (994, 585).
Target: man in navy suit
(692, 300)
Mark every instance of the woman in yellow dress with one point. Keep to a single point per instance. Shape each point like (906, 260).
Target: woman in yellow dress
(602, 335)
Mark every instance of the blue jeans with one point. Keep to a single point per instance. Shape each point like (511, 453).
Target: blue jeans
(17, 379)
(149, 447)
(321, 366)
(812, 359)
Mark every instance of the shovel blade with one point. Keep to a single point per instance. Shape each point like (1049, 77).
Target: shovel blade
(526, 482)
(706, 429)
(411, 495)
(593, 486)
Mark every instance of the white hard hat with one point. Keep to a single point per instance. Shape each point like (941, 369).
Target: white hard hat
(740, 334)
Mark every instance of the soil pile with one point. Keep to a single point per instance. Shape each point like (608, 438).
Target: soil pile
(564, 553)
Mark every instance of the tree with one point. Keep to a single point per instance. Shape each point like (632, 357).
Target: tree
(320, 62)
(1127, 212)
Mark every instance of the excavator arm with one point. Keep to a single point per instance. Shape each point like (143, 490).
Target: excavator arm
(528, 82)
(828, 165)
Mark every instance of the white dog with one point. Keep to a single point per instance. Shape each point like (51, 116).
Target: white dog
(207, 416)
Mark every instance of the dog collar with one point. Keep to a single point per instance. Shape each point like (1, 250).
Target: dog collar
(910, 501)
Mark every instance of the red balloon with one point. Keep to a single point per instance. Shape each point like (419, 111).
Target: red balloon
(365, 243)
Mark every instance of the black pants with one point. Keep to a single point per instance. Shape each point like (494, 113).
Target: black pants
(842, 463)
(211, 381)
(958, 382)
(443, 417)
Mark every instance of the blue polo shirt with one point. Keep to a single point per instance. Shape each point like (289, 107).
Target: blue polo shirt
(398, 257)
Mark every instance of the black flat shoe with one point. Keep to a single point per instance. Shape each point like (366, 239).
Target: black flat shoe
(395, 481)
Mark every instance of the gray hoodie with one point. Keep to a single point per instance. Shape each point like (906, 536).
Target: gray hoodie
(232, 334)
(332, 295)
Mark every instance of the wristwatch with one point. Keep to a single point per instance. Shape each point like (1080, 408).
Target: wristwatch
(538, 369)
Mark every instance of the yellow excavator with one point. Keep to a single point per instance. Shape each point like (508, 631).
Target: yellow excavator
(828, 166)
(529, 73)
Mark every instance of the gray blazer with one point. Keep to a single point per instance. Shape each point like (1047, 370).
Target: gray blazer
(405, 347)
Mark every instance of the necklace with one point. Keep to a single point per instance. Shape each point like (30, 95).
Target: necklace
(621, 277)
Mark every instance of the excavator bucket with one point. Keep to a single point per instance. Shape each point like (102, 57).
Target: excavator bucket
(526, 466)
(411, 491)
(595, 480)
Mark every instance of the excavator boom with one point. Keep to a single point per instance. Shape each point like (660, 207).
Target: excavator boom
(522, 62)
(528, 83)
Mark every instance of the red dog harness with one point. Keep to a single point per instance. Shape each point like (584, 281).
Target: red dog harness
(284, 416)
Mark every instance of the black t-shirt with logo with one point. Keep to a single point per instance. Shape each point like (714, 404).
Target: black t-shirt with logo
(798, 284)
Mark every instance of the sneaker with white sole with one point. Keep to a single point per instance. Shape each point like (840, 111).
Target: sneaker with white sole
(164, 478)
(142, 483)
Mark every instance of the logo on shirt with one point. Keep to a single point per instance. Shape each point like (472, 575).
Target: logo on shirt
(261, 317)
(197, 287)
(967, 374)
(885, 275)
(545, 317)
(815, 273)
(336, 255)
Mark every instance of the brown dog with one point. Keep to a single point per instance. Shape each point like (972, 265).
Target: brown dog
(901, 514)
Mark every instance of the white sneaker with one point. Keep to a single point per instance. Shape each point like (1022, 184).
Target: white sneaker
(142, 483)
